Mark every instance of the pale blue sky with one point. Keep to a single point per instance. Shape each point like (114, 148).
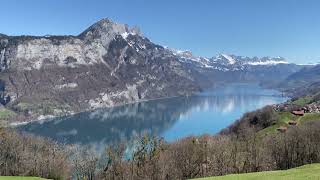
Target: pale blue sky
(288, 28)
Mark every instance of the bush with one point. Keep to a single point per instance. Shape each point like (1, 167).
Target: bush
(250, 121)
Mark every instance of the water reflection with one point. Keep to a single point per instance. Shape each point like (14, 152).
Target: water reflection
(172, 118)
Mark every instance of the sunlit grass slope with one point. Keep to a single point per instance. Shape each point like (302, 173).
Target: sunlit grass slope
(306, 172)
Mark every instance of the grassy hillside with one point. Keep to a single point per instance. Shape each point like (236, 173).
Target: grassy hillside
(301, 173)
(303, 100)
(6, 114)
(19, 178)
(285, 117)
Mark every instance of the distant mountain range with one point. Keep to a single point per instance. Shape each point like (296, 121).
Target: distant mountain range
(111, 64)
(304, 82)
(231, 68)
(228, 62)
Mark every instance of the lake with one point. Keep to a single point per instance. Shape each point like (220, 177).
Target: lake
(172, 118)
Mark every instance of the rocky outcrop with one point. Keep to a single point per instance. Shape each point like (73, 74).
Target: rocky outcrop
(108, 64)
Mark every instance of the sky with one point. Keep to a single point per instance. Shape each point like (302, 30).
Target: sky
(287, 28)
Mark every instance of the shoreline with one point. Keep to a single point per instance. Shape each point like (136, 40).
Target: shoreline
(46, 118)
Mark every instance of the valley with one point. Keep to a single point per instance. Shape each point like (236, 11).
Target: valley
(174, 118)
(110, 102)
(110, 64)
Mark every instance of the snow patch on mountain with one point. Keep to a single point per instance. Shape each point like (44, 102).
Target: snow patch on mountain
(229, 58)
(188, 57)
(270, 62)
(126, 34)
(308, 64)
(226, 62)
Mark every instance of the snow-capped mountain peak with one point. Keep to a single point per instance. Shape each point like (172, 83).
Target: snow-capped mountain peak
(227, 62)
(244, 60)
(184, 54)
(229, 58)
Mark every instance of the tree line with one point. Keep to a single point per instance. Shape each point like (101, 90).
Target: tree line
(236, 149)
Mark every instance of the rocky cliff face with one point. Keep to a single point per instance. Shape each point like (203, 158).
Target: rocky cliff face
(108, 64)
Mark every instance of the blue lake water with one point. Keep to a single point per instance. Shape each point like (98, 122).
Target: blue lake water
(172, 118)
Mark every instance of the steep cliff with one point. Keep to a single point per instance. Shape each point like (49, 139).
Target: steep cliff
(108, 64)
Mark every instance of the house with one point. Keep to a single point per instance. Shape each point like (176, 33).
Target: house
(298, 113)
(292, 123)
(313, 108)
(282, 129)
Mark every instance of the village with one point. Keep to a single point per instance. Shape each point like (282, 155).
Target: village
(297, 113)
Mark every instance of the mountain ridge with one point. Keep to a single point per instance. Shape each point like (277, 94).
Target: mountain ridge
(110, 64)
(107, 65)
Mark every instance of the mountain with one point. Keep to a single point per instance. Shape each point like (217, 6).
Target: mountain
(232, 68)
(108, 64)
(305, 76)
(304, 82)
(111, 64)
